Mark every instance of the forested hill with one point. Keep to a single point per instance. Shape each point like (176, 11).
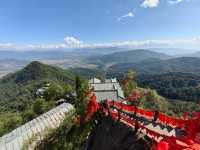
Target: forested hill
(182, 86)
(19, 88)
(38, 71)
(182, 64)
(132, 56)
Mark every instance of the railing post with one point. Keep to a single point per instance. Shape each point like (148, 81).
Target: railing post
(135, 113)
(156, 113)
(119, 117)
(136, 126)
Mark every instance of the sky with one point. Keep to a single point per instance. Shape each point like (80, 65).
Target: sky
(63, 24)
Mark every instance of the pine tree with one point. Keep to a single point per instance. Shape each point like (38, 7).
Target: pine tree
(82, 98)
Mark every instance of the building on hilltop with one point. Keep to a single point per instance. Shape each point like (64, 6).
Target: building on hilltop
(108, 89)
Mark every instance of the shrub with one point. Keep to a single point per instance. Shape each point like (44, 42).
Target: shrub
(39, 106)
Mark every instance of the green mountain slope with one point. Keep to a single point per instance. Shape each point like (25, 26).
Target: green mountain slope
(19, 88)
(182, 64)
(128, 57)
(88, 73)
(182, 86)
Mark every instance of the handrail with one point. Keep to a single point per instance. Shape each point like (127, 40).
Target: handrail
(162, 118)
(125, 113)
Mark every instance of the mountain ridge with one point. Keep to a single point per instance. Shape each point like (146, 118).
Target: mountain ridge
(15, 88)
(131, 56)
(180, 64)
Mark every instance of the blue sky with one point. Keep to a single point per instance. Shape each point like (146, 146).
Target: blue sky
(68, 23)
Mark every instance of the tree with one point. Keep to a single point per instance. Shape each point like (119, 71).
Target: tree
(67, 88)
(28, 115)
(128, 83)
(134, 97)
(131, 75)
(82, 89)
(54, 92)
(12, 122)
(39, 106)
(151, 95)
(152, 100)
(78, 85)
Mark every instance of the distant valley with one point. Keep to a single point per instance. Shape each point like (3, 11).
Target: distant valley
(11, 65)
(109, 60)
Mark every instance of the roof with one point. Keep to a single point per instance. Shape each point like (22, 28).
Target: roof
(110, 89)
(51, 119)
(111, 95)
(94, 80)
(112, 80)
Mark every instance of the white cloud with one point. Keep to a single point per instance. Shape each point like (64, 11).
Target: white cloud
(175, 43)
(150, 3)
(129, 15)
(69, 42)
(172, 2)
(73, 43)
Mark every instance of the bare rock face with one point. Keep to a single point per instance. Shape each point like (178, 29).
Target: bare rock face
(112, 135)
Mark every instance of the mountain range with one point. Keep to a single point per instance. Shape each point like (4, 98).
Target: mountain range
(132, 56)
(155, 66)
(109, 60)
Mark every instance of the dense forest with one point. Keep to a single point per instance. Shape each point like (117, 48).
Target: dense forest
(18, 100)
(156, 66)
(182, 86)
